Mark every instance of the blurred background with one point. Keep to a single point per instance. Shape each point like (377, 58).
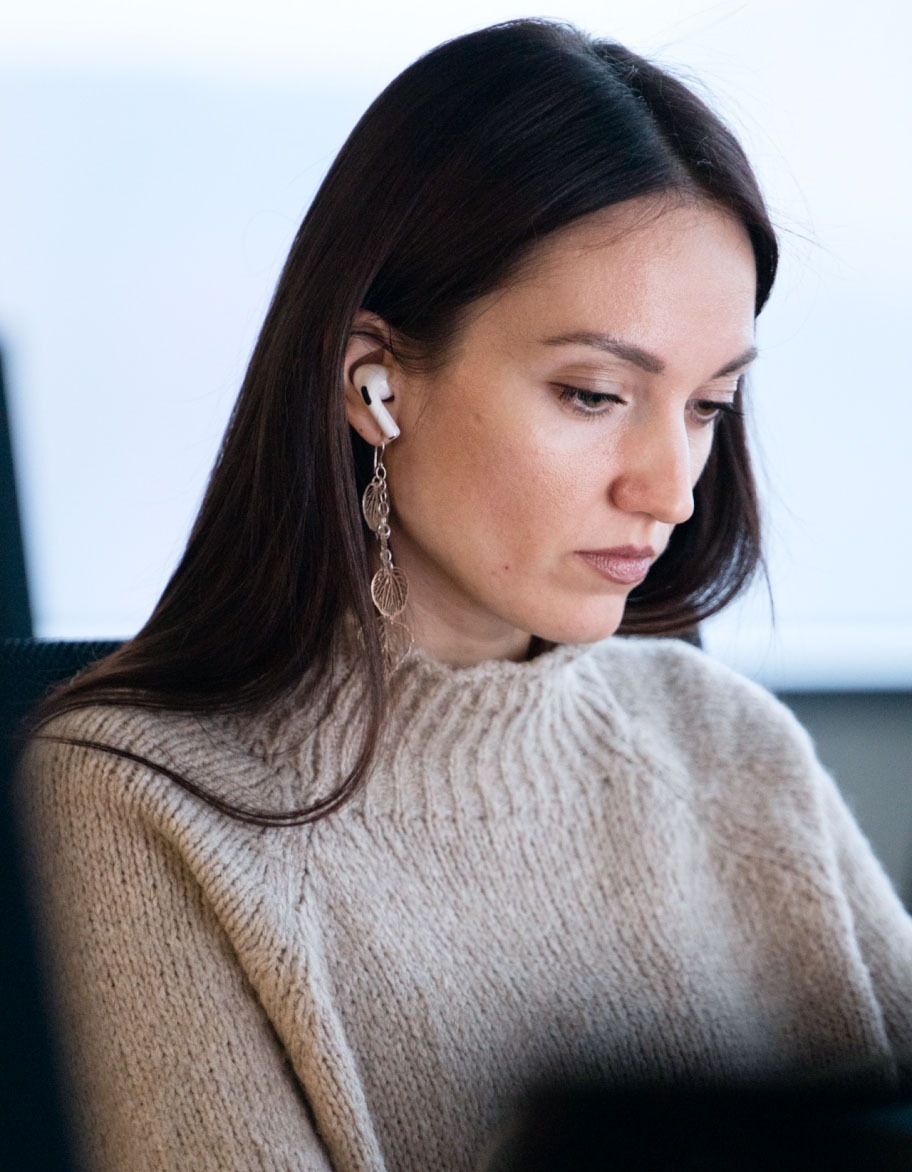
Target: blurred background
(157, 159)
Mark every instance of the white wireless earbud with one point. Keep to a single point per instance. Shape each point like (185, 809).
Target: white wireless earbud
(371, 381)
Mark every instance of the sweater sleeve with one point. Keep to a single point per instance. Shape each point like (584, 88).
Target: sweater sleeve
(170, 1061)
(883, 927)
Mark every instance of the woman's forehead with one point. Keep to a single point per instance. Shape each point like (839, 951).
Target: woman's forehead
(641, 270)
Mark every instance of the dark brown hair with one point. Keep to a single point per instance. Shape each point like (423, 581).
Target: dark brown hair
(459, 168)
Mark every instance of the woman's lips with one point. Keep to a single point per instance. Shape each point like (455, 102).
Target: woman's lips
(627, 565)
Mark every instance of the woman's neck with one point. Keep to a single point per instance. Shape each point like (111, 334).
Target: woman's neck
(451, 638)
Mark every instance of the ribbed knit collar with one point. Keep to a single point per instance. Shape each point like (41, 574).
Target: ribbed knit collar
(475, 740)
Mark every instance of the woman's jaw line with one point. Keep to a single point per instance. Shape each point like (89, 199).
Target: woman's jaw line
(454, 632)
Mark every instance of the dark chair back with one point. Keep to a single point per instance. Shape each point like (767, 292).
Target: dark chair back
(31, 668)
(15, 611)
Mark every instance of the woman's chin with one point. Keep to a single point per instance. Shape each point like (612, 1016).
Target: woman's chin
(581, 628)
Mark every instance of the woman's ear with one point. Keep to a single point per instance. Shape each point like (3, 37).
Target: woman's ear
(369, 400)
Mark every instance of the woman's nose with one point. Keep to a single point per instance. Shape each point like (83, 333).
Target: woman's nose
(655, 473)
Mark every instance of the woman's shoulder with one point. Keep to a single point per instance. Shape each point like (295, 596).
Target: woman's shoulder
(128, 731)
(98, 757)
(721, 739)
(124, 753)
(129, 725)
(674, 681)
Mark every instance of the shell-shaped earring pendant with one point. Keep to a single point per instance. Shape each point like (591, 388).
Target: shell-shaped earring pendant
(396, 641)
(375, 504)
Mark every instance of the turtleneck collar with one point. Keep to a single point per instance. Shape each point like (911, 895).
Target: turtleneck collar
(470, 741)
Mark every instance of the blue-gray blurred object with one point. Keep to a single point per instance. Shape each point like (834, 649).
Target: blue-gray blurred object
(15, 613)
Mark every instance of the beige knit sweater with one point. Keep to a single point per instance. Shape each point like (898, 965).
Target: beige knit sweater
(619, 860)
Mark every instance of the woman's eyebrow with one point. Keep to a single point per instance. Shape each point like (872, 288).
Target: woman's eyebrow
(623, 350)
(637, 356)
(742, 360)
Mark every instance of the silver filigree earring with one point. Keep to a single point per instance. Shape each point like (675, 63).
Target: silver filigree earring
(389, 586)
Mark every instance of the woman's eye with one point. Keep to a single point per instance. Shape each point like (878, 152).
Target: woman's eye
(710, 410)
(589, 402)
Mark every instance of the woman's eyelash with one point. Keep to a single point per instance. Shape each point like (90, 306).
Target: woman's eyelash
(600, 402)
(588, 402)
(715, 410)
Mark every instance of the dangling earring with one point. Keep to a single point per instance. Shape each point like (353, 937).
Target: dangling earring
(389, 586)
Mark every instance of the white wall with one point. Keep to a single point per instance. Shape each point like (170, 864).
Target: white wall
(158, 157)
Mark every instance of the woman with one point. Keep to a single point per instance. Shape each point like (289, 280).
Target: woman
(373, 825)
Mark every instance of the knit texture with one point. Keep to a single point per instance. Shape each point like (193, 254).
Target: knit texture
(619, 861)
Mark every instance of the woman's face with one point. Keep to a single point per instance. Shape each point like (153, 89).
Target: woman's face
(541, 471)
